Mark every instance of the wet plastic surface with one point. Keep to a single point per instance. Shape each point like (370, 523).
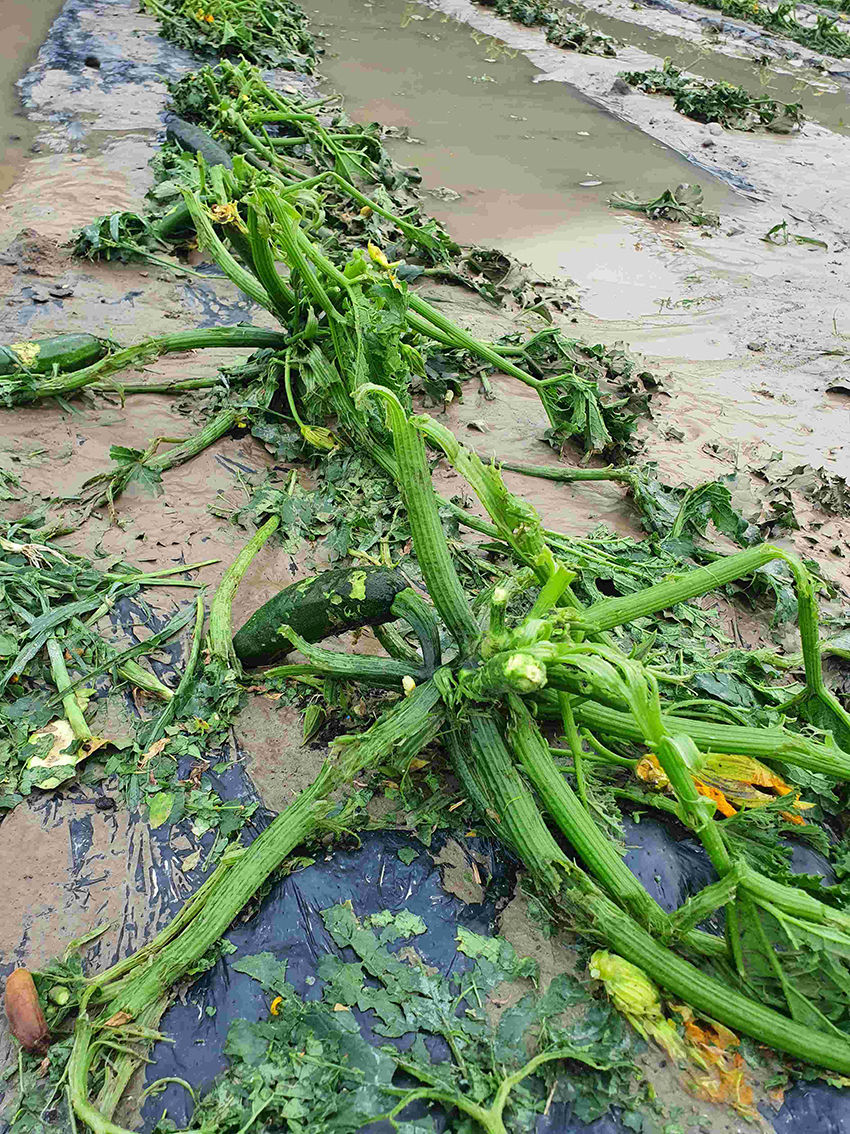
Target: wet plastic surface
(91, 59)
(289, 925)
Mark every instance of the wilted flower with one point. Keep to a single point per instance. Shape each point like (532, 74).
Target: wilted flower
(226, 214)
(731, 781)
(320, 437)
(378, 257)
(638, 999)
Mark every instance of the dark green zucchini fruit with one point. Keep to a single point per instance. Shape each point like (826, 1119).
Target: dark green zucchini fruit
(344, 598)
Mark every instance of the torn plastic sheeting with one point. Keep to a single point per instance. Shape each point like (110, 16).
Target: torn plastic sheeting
(130, 613)
(373, 878)
(289, 924)
(813, 1107)
(670, 868)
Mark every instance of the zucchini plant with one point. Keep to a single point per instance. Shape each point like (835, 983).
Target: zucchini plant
(486, 699)
(494, 678)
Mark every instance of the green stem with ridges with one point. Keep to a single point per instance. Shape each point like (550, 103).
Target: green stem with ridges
(712, 736)
(209, 239)
(387, 673)
(574, 741)
(429, 541)
(221, 629)
(595, 849)
(282, 296)
(151, 349)
(139, 984)
(59, 673)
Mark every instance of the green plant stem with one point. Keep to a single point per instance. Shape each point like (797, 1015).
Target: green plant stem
(145, 680)
(613, 612)
(116, 386)
(595, 757)
(208, 238)
(282, 295)
(105, 488)
(424, 318)
(769, 744)
(573, 819)
(415, 235)
(150, 349)
(574, 741)
(514, 817)
(410, 606)
(432, 551)
(385, 673)
(139, 985)
(709, 996)
(564, 475)
(59, 673)
(221, 630)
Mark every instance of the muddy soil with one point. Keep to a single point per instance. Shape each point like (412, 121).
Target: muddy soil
(532, 141)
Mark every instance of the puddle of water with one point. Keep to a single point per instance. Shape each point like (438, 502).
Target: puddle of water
(23, 27)
(534, 163)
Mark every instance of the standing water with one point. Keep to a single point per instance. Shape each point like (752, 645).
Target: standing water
(534, 162)
(23, 27)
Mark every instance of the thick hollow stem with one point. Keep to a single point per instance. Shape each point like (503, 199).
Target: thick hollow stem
(595, 848)
(615, 611)
(709, 996)
(208, 238)
(565, 475)
(429, 541)
(505, 796)
(712, 736)
(143, 980)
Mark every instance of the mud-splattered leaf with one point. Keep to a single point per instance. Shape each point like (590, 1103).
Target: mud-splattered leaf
(160, 806)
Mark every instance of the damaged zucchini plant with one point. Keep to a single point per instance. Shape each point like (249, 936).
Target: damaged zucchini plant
(562, 29)
(709, 101)
(481, 675)
(823, 33)
(494, 673)
(319, 1070)
(274, 33)
(685, 202)
(359, 192)
(53, 649)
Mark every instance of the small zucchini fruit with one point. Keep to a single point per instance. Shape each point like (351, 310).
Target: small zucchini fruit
(190, 137)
